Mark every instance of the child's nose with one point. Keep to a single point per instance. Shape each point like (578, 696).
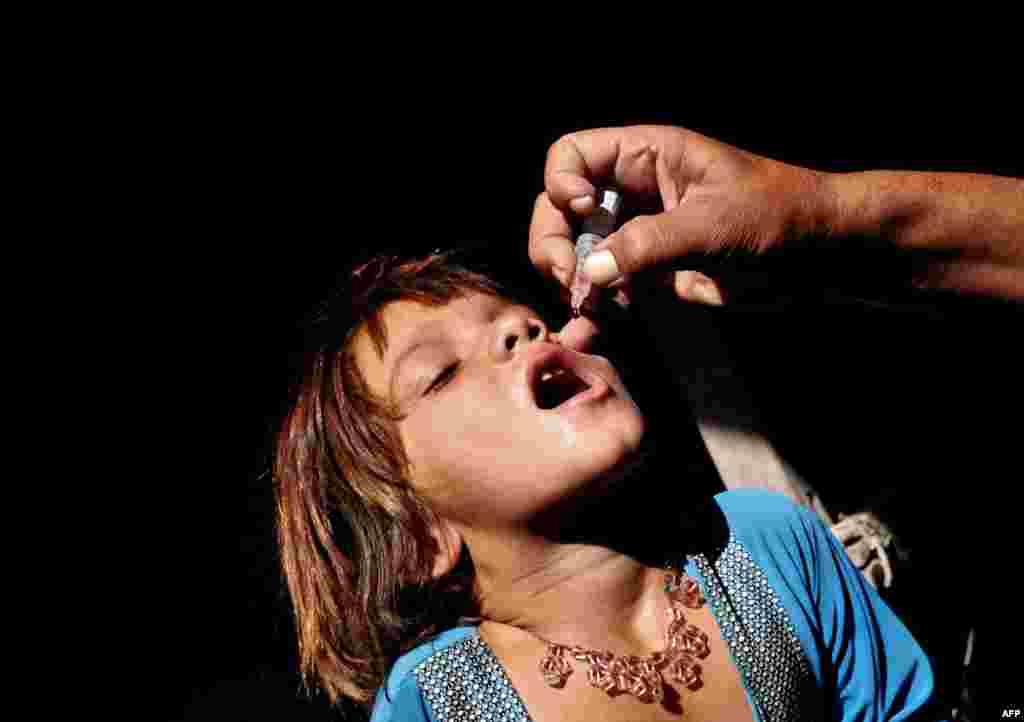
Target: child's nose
(516, 333)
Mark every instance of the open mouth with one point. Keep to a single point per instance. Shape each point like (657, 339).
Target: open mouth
(555, 384)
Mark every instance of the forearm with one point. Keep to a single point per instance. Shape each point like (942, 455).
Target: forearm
(970, 226)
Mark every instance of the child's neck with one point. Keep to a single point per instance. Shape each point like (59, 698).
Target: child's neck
(597, 583)
(580, 594)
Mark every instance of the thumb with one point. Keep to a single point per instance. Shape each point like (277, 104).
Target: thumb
(645, 242)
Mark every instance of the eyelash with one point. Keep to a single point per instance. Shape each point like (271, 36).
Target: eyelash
(442, 378)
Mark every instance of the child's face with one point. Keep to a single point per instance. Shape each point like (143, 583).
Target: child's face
(482, 446)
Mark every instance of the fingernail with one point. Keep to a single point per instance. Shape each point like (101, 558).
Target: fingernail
(582, 204)
(705, 292)
(601, 268)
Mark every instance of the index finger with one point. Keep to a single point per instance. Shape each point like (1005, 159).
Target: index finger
(578, 160)
(551, 248)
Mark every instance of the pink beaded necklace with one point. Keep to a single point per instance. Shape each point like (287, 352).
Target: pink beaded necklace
(641, 676)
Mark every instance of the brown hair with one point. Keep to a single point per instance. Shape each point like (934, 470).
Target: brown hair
(355, 538)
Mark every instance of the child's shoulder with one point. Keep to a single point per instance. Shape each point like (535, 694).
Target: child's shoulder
(404, 667)
(757, 502)
(758, 516)
(400, 689)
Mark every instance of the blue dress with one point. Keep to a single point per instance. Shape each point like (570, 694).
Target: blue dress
(810, 637)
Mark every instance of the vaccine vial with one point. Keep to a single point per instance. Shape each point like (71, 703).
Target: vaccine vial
(596, 227)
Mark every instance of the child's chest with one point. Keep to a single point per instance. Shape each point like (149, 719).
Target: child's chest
(752, 646)
(720, 697)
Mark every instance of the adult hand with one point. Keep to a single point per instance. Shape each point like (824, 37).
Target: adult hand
(713, 198)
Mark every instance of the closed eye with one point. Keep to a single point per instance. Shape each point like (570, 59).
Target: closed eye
(442, 378)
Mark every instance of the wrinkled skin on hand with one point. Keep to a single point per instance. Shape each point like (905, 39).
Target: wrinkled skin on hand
(713, 198)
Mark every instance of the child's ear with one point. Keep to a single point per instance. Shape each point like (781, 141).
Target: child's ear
(449, 543)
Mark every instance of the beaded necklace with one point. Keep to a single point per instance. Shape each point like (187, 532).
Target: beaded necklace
(641, 677)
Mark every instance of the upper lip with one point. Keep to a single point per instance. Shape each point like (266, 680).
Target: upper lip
(549, 355)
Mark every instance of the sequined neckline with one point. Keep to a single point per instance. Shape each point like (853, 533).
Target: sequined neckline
(465, 680)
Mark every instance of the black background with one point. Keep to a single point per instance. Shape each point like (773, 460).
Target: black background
(282, 165)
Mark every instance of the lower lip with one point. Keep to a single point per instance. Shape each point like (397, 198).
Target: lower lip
(599, 388)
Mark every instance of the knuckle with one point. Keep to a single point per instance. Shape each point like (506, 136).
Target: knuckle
(564, 139)
(628, 232)
(557, 146)
(634, 235)
(656, 232)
